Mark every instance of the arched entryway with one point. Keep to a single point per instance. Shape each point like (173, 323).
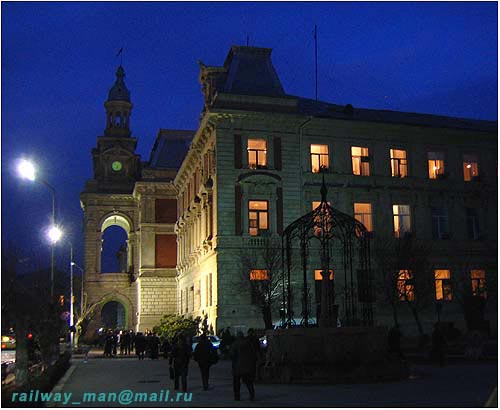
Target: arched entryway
(116, 249)
(113, 315)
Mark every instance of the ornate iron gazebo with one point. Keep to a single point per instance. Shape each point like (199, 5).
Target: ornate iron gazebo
(343, 244)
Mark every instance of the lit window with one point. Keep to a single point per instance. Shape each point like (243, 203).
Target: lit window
(318, 276)
(360, 161)
(319, 158)
(258, 284)
(402, 220)
(440, 226)
(472, 223)
(257, 153)
(478, 282)
(363, 213)
(259, 274)
(436, 165)
(318, 283)
(257, 217)
(399, 166)
(406, 288)
(471, 171)
(443, 284)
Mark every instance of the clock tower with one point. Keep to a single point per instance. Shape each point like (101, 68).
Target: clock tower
(116, 166)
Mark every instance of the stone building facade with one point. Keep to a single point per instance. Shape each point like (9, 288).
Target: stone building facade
(254, 165)
(139, 197)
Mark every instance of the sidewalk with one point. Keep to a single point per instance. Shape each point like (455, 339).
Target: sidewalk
(458, 385)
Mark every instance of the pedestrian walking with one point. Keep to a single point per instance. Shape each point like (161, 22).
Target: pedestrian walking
(206, 355)
(140, 345)
(180, 356)
(154, 346)
(115, 342)
(125, 340)
(244, 359)
(394, 341)
(438, 345)
(108, 343)
(254, 341)
(165, 347)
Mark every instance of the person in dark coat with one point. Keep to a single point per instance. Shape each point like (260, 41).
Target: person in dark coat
(244, 359)
(394, 341)
(115, 342)
(154, 346)
(108, 344)
(180, 355)
(132, 339)
(438, 345)
(205, 354)
(140, 345)
(165, 347)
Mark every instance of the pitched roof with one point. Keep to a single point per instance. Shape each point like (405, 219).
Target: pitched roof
(251, 71)
(322, 109)
(170, 148)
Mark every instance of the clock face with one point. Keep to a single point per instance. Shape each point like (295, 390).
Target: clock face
(116, 166)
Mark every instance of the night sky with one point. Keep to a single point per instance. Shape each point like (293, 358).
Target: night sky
(59, 61)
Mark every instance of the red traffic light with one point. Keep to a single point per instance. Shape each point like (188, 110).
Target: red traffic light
(30, 336)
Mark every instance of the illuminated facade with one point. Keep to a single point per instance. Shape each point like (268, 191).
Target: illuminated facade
(255, 165)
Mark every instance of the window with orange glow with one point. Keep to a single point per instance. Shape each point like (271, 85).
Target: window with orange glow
(258, 217)
(406, 288)
(319, 157)
(442, 279)
(471, 170)
(399, 165)
(257, 153)
(436, 164)
(402, 220)
(319, 276)
(360, 161)
(478, 282)
(259, 274)
(363, 213)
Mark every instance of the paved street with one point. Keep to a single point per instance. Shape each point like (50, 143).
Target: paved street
(457, 385)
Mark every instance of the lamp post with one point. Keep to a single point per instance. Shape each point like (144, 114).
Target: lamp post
(27, 170)
(71, 320)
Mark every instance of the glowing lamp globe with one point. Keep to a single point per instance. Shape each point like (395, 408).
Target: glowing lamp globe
(54, 234)
(26, 170)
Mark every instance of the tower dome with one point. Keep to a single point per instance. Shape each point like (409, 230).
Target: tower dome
(119, 91)
(118, 108)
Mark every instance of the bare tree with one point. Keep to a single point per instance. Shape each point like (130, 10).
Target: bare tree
(405, 275)
(84, 314)
(261, 274)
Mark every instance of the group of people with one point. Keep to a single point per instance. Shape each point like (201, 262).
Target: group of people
(243, 351)
(127, 341)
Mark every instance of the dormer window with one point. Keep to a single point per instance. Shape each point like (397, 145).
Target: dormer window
(360, 161)
(257, 153)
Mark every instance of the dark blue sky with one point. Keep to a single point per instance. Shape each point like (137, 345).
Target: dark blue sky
(58, 63)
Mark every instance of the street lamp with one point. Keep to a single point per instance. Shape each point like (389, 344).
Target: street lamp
(27, 170)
